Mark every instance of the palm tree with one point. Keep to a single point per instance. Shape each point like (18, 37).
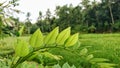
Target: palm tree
(5, 19)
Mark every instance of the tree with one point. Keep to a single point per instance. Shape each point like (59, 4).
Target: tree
(111, 13)
(40, 16)
(69, 16)
(104, 16)
(48, 19)
(28, 22)
(86, 8)
(5, 16)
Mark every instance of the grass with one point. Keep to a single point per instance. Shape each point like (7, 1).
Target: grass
(101, 45)
(105, 45)
(7, 44)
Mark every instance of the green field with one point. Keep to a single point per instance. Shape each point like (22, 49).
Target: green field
(101, 45)
(105, 45)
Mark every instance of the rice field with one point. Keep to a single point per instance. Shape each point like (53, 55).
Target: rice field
(101, 45)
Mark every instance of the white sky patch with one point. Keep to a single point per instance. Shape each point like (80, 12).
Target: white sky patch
(34, 6)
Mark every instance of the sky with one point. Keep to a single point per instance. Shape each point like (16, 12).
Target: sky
(34, 6)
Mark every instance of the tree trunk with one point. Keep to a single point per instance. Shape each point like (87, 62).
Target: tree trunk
(111, 14)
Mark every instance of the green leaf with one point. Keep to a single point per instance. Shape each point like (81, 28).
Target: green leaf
(89, 57)
(73, 66)
(40, 66)
(63, 36)
(72, 40)
(46, 67)
(36, 39)
(56, 66)
(76, 46)
(83, 52)
(21, 30)
(21, 48)
(32, 56)
(66, 65)
(51, 37)
(95, 60)
(106, 65)
(52, 56)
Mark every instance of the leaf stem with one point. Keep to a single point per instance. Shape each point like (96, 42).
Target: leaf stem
(22, 59)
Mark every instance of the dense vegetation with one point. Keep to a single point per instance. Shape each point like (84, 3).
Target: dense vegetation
(100, 45)
(86, 17)
(52, 41)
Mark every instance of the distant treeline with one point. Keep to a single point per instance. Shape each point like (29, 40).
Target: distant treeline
(95, 17)
(86, 17)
